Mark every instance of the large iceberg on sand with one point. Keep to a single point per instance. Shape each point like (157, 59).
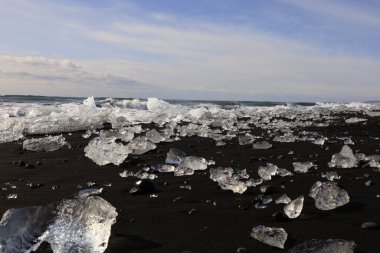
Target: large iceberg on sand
(73, 225)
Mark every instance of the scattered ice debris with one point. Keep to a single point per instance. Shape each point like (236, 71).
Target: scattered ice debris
(163, 168)
(266, 172)
(89, 192)
(302, 167)
(175, 156)
(105, 150)
(331, 175)
(74, 225)
(288, 137)
(275, 237)
(328, 195)
(245, 139)
(140, 145)
(47, 144)
(294, 208)
(355, 120)
(283, 199)
(324, 246)
(262, 145)
(344, 159)
(261, 201)
(228, 179)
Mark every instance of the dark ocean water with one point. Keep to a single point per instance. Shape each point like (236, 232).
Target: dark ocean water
(60, 100)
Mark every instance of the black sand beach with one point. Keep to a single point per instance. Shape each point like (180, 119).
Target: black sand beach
(223, 220)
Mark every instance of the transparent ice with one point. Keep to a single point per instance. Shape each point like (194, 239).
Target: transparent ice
(328, 195)
(275, 237)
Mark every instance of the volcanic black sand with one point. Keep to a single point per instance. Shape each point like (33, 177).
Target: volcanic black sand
(223, 220)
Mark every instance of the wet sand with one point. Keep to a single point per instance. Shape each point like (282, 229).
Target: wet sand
(152, 225)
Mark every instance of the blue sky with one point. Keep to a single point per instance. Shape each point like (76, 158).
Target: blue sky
(288, 50)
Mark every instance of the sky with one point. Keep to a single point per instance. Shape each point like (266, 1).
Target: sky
(258, 50)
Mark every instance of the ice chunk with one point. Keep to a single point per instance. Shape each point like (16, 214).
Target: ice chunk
(90, 102)
(122, 134)
(319, 141)
(354, 120)
(183, 171)
(154, 136)
(47, 144)
(302, 167)
(175, 156)
(140, 145)
(266, 172)
(227, 179)
(330, 175)
(325, 246)
(245, 139)
(285, 138)
(294, 208)
(194, 163)
(262, 145)
(89, 192)
(344, 159)
(283, 199)
(75, 225)
(163, 168)
(104, 151)
(275, 237)
(328, 195)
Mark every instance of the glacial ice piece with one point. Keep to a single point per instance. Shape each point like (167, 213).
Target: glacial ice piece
(140, 145)
(355, 120)
(266, 172)
(141, 174)
(344, 159)
(183, 171)
(283, 199)
(294, 208)
(47, 144)
(245, 139)
(330, 175)
(74, 225)
(154, 136)
(328, 195)
(288, 137)
(194, 163)
(275, 237)
(319, 141)
(227, 179)
(302, 167)
(175, 156)
(324, 246)
(89, 192)
(120, 134)
(104, 151)
(262, 145)
(163, 168)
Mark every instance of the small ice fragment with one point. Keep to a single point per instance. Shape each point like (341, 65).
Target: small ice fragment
(183, 171)
(283, 199)
(324, 246)
(89, 192)
(12, 196)
(319, 141)
(175, 156)
(354, 120)
(266, 172)
(254, 182)
(275, 237)
(227, 179)
(140, 145)
(302, 167)
(344, 159)
(245, 139)
(294, 208)
(330, 175)
(47, 144)
(163, 168)
(328, 195)
(262, 145)
(154, 136)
